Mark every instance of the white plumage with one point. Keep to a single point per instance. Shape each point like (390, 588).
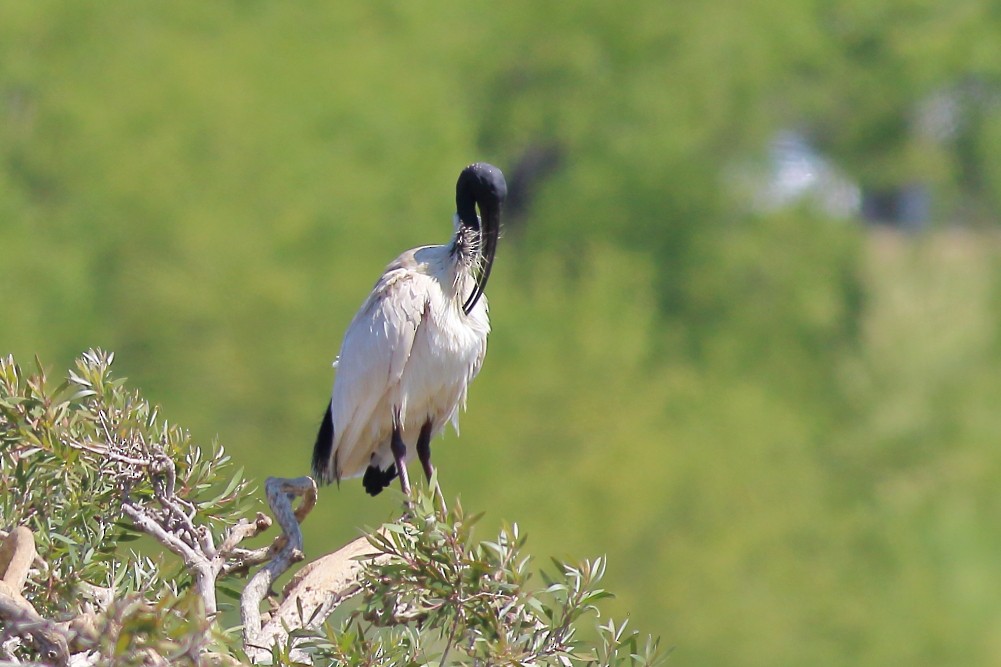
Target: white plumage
(409, 354)
(414, 346)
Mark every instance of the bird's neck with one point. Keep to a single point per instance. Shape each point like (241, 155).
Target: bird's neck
(464, 248)
(450, 265)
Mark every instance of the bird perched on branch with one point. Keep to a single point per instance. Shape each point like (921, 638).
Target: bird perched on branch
(412, 349)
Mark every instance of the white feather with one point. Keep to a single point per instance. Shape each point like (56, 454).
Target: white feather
(408, 355)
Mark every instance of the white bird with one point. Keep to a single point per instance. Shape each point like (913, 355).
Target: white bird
(412, 349)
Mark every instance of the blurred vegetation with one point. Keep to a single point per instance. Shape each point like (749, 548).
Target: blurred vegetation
(780, 428)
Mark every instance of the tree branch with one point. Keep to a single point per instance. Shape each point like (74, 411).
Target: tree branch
(280, 491)
(322, 585)
(196, 561)
(16, 556)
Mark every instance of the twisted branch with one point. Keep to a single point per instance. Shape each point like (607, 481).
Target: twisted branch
(17, 553)
(288, 548)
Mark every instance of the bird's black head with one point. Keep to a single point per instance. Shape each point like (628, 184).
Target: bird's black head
(482, 186)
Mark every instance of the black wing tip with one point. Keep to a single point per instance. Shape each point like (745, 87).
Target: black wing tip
(323, 460)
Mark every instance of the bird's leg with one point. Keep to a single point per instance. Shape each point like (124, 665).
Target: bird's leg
(399, 449)
(424, 450)
(424, 454)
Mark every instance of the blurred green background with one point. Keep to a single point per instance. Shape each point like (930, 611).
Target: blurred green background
(746, 311)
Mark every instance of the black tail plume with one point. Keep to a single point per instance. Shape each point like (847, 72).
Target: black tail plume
(323, 450)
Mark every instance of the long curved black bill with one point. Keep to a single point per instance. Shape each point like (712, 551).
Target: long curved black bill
(489, 232)
(481, 186)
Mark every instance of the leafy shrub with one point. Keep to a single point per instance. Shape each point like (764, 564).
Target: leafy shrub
(89, 466)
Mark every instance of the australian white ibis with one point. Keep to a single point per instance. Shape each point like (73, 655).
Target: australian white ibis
(412, 349)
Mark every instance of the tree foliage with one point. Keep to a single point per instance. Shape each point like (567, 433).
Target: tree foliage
(90, 466)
